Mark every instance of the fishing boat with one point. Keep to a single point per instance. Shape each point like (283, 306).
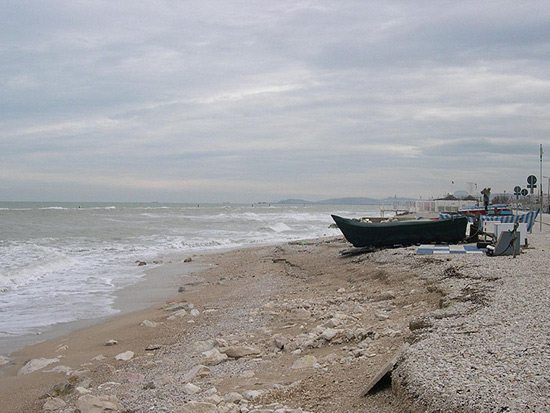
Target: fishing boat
(388, 234)
(494, 209)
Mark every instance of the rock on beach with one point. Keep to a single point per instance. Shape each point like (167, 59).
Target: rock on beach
(213, 357)
(36, 364)
(127, 355)
(237, 352)
(304, 362)
(97, 404)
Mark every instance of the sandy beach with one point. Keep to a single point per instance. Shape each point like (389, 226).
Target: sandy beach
(299, 327)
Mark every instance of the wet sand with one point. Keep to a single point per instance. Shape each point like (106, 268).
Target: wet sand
(158, 284)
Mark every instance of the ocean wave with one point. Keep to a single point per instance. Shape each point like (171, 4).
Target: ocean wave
(278, 227)
(24, 264)
(63, 264)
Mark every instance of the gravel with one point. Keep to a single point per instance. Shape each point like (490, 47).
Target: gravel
(486, 349)
(489, 350)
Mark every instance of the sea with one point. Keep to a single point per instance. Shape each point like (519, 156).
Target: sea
(65, 262)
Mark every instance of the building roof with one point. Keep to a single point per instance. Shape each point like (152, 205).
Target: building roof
(448, 198)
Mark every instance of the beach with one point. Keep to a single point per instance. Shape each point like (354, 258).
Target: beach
(296, 326)
(62, 265)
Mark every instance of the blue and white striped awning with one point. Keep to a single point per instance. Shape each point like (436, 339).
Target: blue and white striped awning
(529, 218)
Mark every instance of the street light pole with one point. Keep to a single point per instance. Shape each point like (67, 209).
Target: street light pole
(548, 190)
(541, 193)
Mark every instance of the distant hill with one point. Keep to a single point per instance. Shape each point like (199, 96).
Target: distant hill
(350, 201)
(345, 201)
(398, 199)
(294, 202)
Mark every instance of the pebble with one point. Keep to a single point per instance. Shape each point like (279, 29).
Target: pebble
(190, 388)
(304, 362)
(54, 404)
(153, 347)
(178, 314)
(213, 357)
(148, 323)
(197, 372)
(36, 364)
(61, 348)
(232, 397)
(253, 395)
(82, 390)
(95, 404)
(60, 369)
(127, 355)
(237, 352)
(176, 307)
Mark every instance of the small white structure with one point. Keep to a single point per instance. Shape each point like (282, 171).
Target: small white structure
(505, 226)
(447, 204)
(496, 228)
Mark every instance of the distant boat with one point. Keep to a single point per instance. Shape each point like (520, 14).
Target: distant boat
(388, 234)
(495, 209)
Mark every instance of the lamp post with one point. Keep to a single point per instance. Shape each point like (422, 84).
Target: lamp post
(541, 193)
(548, 190)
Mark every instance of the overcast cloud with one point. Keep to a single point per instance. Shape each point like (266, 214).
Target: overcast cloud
(198, 101)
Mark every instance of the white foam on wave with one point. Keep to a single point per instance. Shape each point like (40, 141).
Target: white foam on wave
(280, 227)
(57, 288)
(97, 208)
(22, 264)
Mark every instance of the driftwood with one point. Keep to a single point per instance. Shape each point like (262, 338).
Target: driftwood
(385, 370)
(357, 251)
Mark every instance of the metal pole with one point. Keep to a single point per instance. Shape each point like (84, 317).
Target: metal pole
(541, 193)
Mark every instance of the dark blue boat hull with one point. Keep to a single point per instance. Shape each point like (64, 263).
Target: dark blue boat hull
(389, 234)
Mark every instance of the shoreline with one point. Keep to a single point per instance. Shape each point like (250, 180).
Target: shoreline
(155, 286)
(316, 327)
(75, 278)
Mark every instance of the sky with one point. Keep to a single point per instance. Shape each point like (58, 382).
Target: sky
(249, 101)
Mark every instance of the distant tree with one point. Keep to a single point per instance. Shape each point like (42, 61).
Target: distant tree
(501, 199)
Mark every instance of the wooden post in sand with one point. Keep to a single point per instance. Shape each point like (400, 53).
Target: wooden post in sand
(385, 369)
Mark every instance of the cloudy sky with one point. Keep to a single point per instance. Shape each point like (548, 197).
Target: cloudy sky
(188, 101)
